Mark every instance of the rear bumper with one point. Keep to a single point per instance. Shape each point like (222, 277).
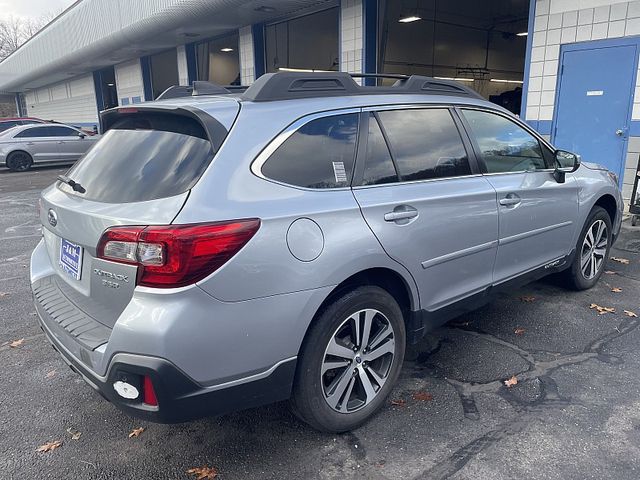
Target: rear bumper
(180, 398)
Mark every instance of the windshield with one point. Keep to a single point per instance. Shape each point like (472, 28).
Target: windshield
(134, 162)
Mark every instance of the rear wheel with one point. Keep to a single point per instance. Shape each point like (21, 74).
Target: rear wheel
(592, 251)
(19, 161)
(350, 360)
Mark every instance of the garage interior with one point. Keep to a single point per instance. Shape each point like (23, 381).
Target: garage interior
(482, 44)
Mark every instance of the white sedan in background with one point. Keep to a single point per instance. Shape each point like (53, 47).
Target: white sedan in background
(47, 143)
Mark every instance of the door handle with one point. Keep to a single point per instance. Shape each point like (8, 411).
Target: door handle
(60, 142)
(397, 215)
(510, 200)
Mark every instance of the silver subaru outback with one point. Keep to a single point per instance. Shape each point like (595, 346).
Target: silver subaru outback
(220, 251)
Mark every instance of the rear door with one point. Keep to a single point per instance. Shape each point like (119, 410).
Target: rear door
(536, 213)
(138, 173)
(39, 142)
(422, 197)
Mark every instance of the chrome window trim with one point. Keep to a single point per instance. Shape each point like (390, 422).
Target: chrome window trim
(283, 136)
(409, 182)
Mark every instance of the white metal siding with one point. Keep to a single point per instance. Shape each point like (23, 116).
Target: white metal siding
(129, 82)
(72, 102)
(183, 72)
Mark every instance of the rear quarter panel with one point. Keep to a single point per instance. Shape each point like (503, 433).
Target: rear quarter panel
(266, 266)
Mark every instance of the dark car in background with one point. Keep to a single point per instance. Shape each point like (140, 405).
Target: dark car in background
(7, 123)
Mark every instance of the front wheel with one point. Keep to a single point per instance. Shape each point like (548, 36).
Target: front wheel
(592, 251)
(350, 360)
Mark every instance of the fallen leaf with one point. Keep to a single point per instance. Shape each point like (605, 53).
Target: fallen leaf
(51, 374)
(203, 473)
(49, 446)
(16, 343)
(602, 310)
(74, 434)
(511, 382)
(616, 290)
(610, 272)
(398, 403)
(463, 324)
(629, 313)
(623, 261)
(136, 432)
(519, 331)
(422, 396)
(527, 299)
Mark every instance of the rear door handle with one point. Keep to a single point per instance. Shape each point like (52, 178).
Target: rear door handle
(402, 212)
(511, 200)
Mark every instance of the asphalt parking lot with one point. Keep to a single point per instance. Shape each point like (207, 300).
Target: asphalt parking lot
(574, 413)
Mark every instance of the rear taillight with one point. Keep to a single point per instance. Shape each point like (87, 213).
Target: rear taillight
(176, 255)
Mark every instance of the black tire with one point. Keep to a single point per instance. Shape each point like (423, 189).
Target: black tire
(19, 161)
(574, 276)
(309, 401)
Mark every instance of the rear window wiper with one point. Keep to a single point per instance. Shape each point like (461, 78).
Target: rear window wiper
(75, 185)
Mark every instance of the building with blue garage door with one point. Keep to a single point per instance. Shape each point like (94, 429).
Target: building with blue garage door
(567, 66)
(582, 87)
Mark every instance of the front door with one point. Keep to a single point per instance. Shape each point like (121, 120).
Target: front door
(536, 213)
(420, 197)
(594, 102)
(69, 143)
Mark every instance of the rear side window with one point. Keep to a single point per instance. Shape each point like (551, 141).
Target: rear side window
(34, 132)
(144, 157)
(425, 144)
(318, 155)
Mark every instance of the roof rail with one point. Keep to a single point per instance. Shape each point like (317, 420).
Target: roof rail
(200, 87)
(295, 85)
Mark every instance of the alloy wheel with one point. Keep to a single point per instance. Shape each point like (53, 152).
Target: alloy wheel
(357, 360)
(594, 249)
(20, 161)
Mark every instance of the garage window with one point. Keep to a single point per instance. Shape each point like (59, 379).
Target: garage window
(318, 155)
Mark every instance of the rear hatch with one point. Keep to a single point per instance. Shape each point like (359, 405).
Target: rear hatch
(139, 173)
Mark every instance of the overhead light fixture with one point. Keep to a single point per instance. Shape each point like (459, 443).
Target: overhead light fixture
(457, 79)
(409, 19)
(522, 34)
(500, 80)
(226, 49)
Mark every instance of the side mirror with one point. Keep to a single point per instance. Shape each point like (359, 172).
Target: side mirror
(566, 162)
(81, 135)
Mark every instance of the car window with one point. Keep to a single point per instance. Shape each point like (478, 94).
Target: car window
(61, 131)
(378, 167)
(425, 143)
(7, 125)
(318, 155)
(504, 145)
(34, 132)
(162, 155)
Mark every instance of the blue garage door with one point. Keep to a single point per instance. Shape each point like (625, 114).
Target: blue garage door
(594, 103)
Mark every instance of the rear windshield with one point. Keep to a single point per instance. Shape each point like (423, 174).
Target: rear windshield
(143, 157)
